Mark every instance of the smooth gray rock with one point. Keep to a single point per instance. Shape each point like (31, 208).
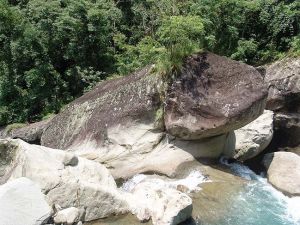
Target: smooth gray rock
(155, 199)
(283, 171)
(156, 153)
(87, 185)
(67, 216)
(22, 203)
(253, 138)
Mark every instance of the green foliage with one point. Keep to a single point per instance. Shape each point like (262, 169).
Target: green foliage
(246, 51)
(251, 31)
(48, 116)
(179, 36)
(53, 51)
(295, 46)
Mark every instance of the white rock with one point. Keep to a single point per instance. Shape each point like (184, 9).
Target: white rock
(68, 216)
(22, 203)
(152, 198)
(253, 138)
(283, 171)
(87, 185)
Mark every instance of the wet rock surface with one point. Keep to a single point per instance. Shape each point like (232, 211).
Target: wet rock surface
(216, 190)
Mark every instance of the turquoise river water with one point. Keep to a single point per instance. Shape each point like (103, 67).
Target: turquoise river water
(245, 199)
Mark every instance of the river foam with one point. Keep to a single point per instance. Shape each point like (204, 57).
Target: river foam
(261, 196)
(191, 182)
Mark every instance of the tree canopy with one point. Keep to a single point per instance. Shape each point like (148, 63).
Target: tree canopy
(53, 51)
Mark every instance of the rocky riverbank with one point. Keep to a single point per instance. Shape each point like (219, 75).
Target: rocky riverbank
(148, 146)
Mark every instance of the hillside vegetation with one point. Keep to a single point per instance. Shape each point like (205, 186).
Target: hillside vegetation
(52, 51)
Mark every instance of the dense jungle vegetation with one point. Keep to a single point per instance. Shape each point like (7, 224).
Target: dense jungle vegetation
(52, 51)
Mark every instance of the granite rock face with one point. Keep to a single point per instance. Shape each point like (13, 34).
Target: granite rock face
(84, 191)
(213, 95)
(163, 158)
(130, 105)
(283, 79)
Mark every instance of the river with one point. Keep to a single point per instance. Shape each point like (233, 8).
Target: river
(233, 195)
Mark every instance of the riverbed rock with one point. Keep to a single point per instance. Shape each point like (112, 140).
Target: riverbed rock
(30, 133)
(213, 95)
(283, 79)
(67, 216)
(164, 205)
(253, 138)
(86, 185)
(283, 171)
(22, 202)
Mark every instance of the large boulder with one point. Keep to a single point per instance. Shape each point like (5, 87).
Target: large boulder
(23, 203)
(120, 123)
(283, 171)
(283, 79)
(127, 108)
(213, 95)
(66, 180)
(253, 138)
